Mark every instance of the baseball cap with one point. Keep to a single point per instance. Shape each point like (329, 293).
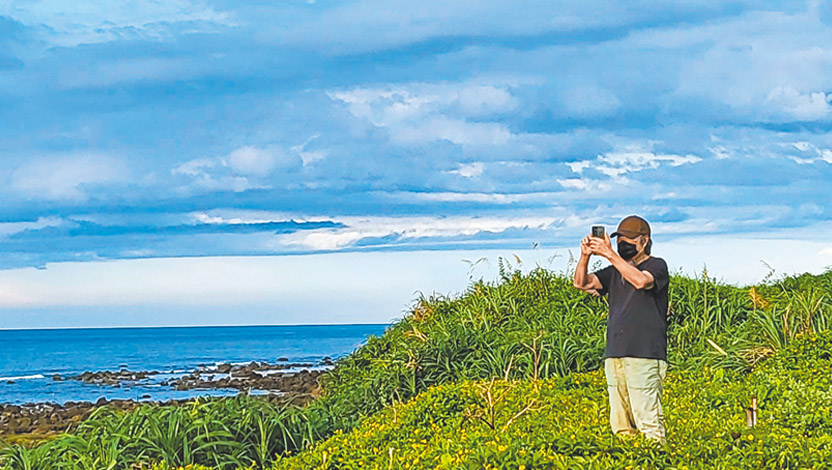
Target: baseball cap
(632, 226)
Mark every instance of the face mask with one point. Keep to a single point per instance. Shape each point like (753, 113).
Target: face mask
(627, 250)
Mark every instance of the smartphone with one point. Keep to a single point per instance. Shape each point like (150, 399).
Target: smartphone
(598, 231)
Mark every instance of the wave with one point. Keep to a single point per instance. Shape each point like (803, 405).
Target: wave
(22, 377)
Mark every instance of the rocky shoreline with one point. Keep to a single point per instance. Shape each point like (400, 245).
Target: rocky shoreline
(285, 382)
(242, 377)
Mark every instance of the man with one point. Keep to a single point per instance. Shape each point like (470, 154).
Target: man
(636, 351)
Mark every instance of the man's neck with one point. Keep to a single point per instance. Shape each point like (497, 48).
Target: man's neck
(638, 259)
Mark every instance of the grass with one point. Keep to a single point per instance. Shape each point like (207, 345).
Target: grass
(562, 423)
(521, 331)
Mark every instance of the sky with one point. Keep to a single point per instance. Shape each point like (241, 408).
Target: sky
(210, 162)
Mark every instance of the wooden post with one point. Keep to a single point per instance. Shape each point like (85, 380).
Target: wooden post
(751, 413)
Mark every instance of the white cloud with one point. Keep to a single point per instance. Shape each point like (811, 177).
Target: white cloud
(483, 100)
(196, 167)
(760, 66)
(309, 157)
(357, 228)
(237, 216)
(67, 177)
(803, 146)
(251, 161)
(388, 105)
(720, 152)
(244, 168)
(469, 170)
(635, 161)
(616, 165)
(208, 174)
(420, 112)
(801, 106)
(579, 166)
(816, 153)
(584, 184)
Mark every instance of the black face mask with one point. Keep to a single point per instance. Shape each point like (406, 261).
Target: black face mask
(627, 250)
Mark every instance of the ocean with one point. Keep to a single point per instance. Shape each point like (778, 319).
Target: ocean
(30, 358)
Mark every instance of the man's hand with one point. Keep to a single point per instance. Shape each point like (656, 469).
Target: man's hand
(586, 248)
(601, 246)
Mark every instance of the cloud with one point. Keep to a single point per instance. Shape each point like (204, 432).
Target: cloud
(801, 106)
(485, 198)
(356, 229)
(379, 25)
(636, 161)
(476, 109)
(197, 167)
(617, 164)
(463, 113)
(244, 168)
(811, 152)
(763, 66)
(388, 105)
(67, 178)
(585, 184)
(251, 161)
(307, 156)
(85, 22)
(210, 174)
(468, 170)
(457, 131)
(11, 228)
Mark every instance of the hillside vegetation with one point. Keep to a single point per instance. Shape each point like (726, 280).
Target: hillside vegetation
(505, 375)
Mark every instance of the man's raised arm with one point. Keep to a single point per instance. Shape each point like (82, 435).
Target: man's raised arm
(583, 281)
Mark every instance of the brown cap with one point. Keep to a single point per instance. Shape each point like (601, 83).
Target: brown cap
(632, 226)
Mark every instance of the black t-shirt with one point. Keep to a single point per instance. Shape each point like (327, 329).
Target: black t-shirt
(637, 325)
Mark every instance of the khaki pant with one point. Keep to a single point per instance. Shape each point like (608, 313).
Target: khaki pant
(635, 389)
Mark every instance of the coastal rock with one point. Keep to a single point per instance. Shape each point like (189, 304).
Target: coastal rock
(261, 376)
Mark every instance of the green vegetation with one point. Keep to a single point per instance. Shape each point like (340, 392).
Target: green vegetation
(505, 375)
(561, 423)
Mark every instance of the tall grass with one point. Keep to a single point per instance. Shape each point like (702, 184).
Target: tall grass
(224, 433)
(523, 326)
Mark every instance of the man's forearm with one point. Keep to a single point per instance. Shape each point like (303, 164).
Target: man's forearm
(581, 279)
(630, 273)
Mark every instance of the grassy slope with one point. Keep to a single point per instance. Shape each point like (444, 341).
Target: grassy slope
(562, 423)
(499, 330)
(717, 334)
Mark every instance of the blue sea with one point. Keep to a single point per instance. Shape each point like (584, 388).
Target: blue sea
(29, 358)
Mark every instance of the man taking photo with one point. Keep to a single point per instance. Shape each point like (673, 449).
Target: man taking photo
(636, 350)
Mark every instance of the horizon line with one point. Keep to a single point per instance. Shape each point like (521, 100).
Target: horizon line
(148, 327)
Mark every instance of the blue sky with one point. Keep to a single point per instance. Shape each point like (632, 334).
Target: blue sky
(204, 131)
